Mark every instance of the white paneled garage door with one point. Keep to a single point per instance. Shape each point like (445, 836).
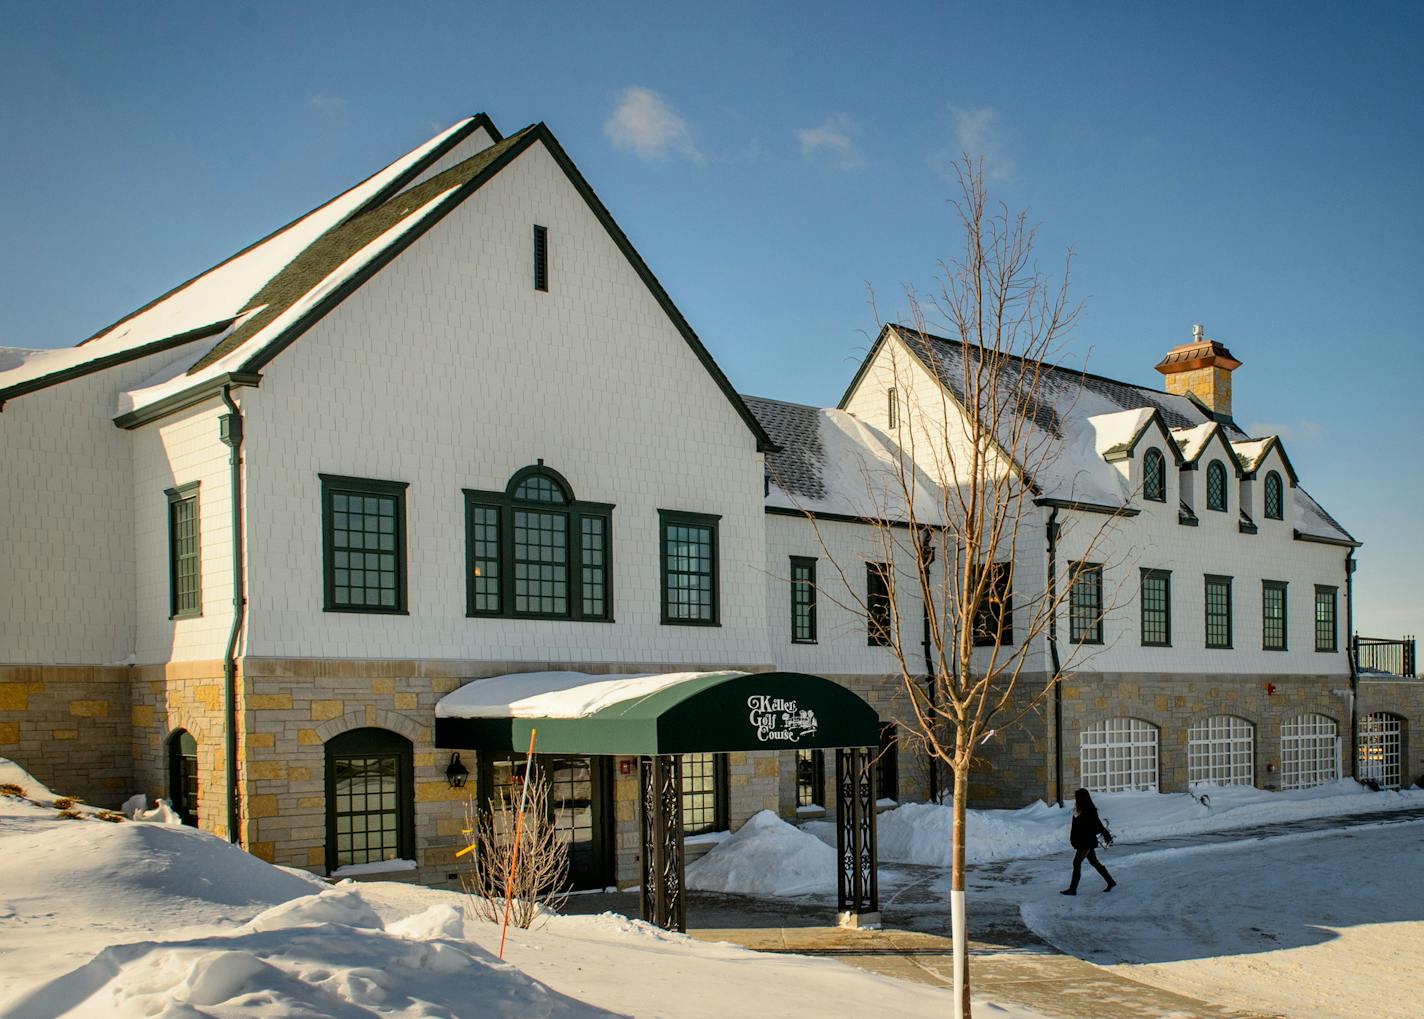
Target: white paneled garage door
(1380, 749)
(1221, 750)
(1310, 752)
(1118, 754)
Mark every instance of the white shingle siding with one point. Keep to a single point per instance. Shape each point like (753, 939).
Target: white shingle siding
(447, 370)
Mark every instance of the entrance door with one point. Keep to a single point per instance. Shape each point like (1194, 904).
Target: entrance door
(183, 776)
(579, 797)
(1380, 737)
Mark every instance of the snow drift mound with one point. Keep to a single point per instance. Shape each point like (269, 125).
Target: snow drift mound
(323, 954)
(766, 856)
(152, 876)
(12, 774)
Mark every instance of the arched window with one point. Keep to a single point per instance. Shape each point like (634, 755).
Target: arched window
(704, 793)
(1310, 752)
(1119, 754)
(1275, 497)
(1154, 476)
(1380, 750)
(1216, 486)
(183, 775)
(534, 551)
(370, 798)
(1221, 751)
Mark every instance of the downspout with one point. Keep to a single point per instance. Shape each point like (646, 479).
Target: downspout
(927, 558)
(230, 431)
(1350, 649)
(1053, 654)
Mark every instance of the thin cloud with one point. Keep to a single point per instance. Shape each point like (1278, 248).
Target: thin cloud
(979, 132)
(833, 143)
(645, 124)
(328, 106)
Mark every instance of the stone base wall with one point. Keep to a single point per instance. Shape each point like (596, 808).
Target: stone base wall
(68, 725)
(1403, 697)
(181, 695)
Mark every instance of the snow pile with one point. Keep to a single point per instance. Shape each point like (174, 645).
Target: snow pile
(11, 774)
(766, 856)
(920, 832)
(136, 808)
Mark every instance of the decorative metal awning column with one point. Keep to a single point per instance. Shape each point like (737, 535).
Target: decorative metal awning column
(662, 897)
(857, 890)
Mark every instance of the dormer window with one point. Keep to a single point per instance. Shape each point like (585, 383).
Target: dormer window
(1216, 486)
(1275, 497)
(1154, 476)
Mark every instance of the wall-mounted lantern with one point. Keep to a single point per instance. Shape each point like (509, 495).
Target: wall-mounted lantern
(456, 773)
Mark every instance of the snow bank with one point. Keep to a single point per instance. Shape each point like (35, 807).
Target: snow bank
(136, 808)
(920, 832)
(31, 787)
(766, 856)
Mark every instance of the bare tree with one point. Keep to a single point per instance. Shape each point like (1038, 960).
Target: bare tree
(538, 882)
(959, 515)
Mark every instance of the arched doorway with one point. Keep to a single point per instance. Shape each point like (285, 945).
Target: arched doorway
(1380, 750)
(183, 776)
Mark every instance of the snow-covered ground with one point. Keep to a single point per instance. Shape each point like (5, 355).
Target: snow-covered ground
(1320, 924)
(128, 919)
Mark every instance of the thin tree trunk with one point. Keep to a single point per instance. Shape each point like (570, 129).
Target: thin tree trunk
(959, 926)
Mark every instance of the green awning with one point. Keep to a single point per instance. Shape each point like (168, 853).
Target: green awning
(701, 713)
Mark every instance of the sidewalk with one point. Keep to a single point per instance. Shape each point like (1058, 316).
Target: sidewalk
(1009, 962)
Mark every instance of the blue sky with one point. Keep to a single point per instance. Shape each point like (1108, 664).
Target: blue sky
(1256, 168)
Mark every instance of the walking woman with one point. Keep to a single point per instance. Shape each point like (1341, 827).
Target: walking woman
(1087, 826)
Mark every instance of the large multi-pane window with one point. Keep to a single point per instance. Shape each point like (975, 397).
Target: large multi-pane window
(704, 793)
(1119, 754)
(878, 614)
(1273, 615)
(994, 614)
(1379, 752)
(803, 600)
(363, 525)
(1310, 752)
(689, 568)
(369, 798)
(1154, 476)
(1216, 486)
(1275, 497)
(810, 778)
(1218, 612)
(185, 582)
(1326, 634)
(536, 552)
(1156, 608)
(1085, 604)
(1221, 751)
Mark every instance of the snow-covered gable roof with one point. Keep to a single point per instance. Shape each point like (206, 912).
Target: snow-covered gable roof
(829, 463)
(1194, 442)
(1252, 453)
(210, 302)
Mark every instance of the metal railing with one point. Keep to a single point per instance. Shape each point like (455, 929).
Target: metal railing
(1384, 655)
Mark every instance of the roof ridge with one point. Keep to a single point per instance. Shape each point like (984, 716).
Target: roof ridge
(786, 403)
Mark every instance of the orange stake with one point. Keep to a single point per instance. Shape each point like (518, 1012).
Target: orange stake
(518, 831)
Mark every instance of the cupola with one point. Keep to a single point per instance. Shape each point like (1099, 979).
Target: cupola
(1201, 368)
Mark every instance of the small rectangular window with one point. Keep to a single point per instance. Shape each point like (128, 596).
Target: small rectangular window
(688, 549)
(1156, 608)
(878, 616)
(541, 258)
(185, 582)
(1273, 615)
(1218, 612)
(810, 778)
(892, 408)
(363, 525)
(803, 600)
(1326, 635)
(1085, 604)
(704, 793)
(994, 614)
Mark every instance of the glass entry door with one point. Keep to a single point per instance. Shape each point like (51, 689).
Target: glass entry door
(580, 805)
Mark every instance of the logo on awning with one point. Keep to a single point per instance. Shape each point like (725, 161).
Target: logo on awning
(777, 720)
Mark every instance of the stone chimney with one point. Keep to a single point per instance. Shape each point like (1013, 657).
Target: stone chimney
(1201, 368)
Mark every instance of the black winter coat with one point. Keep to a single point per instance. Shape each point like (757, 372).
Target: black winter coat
(1086, 829)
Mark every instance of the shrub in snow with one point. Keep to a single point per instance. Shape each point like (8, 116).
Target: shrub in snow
(535, 877)
(766, 856)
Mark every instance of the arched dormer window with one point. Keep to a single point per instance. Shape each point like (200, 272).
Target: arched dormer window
(536, 552)
(1154, 476)
(1275, 497)
(1216, 486)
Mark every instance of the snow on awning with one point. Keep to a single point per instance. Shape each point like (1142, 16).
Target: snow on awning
(658, 713)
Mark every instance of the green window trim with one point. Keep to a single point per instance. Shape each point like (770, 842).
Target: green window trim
(1156, 598)
(541, 258)
(994, 618)
(803, 600)
(535, 544)
(1274, 626)
(1154, 476)
(1085, 603)
(879, 614)
(1216, 486)
(1217, 606)
(1275, 497)
(705, 810)
(811, 778)
(1327, 628)
(699, 530)
(342, 559)
(185, 552)
(363, 768)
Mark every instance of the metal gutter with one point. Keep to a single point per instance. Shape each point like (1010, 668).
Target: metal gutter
(1053, 654)
(1088, 507)
(231, 429)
